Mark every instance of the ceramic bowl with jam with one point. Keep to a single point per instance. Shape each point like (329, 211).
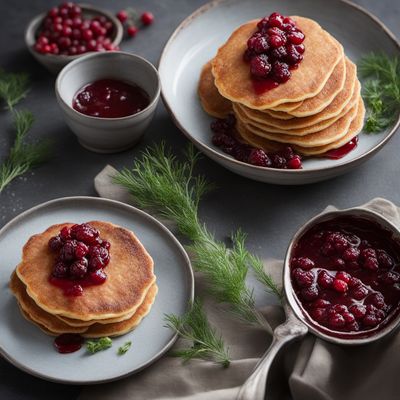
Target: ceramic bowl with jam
(108, 99)
(342, 275)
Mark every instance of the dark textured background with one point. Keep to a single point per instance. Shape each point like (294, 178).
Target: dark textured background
(270, 214)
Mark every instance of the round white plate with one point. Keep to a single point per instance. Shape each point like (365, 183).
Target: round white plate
(196, 41)
(29, 349)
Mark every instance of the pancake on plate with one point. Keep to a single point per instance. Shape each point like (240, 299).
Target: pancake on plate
(232, 76)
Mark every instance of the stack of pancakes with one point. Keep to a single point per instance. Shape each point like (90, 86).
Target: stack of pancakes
(113, 308)
(318, 109)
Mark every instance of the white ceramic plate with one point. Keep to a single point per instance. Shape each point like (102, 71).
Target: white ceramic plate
(196, 41)
(29, 349)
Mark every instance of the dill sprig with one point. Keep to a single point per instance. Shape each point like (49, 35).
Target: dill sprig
(94, 346)
(381, 90)
(13, 87)
(162, 184)
(123, 349)
(194, 327)
(23, 156)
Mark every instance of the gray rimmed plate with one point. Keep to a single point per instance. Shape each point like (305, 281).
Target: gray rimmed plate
(29, 349)
(196, 41)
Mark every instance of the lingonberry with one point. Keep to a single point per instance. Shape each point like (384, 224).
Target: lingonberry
(147, 18)
(309, 293)
(55, 243)
(260, 66)
(122, 16)
(60, 270)
(132, 31)
(339, 285)
(303, 278)
(325, 280)
(78, 269)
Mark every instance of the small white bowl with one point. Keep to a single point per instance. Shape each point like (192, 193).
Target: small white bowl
(107, 135)
(54, 63)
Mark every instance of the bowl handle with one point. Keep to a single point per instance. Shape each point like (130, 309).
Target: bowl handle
(255, 385)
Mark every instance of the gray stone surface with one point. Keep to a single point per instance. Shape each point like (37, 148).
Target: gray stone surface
(269, 214)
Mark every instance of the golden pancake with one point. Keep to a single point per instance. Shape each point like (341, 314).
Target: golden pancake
(116, 329)
(78, 323)
(354, 129)
(315, 104)
(268, 145)
(36, 313)
(130, 274)
(307, 130)
(324, 99)
(341, 104)
(325, 136)
(232, 73)
(286, 107)
(212, 102)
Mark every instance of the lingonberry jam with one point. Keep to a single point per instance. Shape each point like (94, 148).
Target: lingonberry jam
(109, 98)
(346, 275)
(224, 138)
(273, 51)
(68, 343)
(66, 31)
(342, 151)
(81, 258)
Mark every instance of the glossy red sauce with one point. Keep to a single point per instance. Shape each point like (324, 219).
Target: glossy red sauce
(339, 153)
(263, 86)
(110, 98)
(68, 343)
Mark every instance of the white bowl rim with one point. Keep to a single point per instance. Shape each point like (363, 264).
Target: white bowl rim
(153, 99)
(61, 57)
(214, 3)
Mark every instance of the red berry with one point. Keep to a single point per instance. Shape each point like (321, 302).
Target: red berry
(55, 243)
(259, 157)
(344, 276)
(295, 163)
(336, 321)
(122, 16)
(132, 31)
(98, 277)
(310, 293)
(147, 18)
(303, 262)
(339, 285)
(303, 278)
(358, 310)
(76, 290)
(78, 269)
(325, 280)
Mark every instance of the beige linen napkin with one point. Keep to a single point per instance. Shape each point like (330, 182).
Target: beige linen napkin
(310, 370)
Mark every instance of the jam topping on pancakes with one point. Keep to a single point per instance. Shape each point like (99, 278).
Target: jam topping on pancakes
(274, 50)
(81, 258)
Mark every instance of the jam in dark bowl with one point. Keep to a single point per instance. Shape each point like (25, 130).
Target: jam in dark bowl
(342, 274)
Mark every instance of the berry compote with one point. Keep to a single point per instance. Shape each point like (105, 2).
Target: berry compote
(68, 343)
(273, 51)
(81, 257)
(66, 31)
(110, 98)
(225, 138)
(346, 275)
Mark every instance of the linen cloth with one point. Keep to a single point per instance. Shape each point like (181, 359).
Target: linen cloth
(308, 370)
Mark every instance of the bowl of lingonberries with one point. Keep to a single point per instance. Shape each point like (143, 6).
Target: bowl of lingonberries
(70, 30)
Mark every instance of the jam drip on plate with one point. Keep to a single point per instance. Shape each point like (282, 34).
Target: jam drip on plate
(339, 153)
(68, 343)
(346, 275)
(273, 51)
(224, 138)
(109, 98)
(81, 258)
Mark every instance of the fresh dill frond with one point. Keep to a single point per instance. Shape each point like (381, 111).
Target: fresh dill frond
(194, 328)
(269, 284)
(166, 186)
(94, 346)
(381, 90)
(124, 349)
(13, 87)
(23, 156)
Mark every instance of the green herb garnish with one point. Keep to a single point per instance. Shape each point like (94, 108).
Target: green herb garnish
(381, 90)
(22, 156)
(93, 346)
(13, 87)
(168, 187)
(123, 349)
(194, 328)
